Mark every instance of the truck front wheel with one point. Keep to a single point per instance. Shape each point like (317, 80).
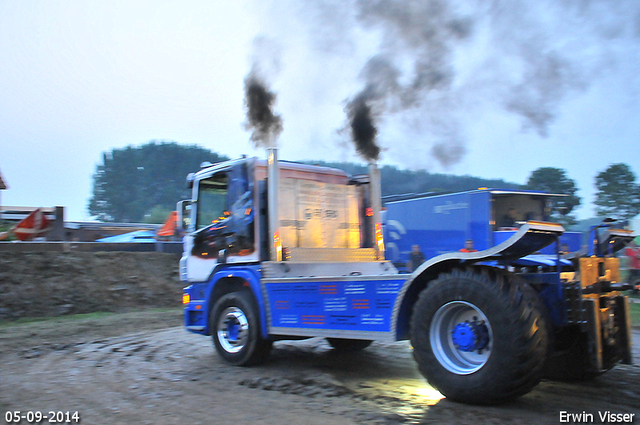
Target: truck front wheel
(235, 327)
(479, 336)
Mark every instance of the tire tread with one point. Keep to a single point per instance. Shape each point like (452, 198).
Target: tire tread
(520, 309)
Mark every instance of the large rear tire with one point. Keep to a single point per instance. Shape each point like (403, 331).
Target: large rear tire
(479, 336)
(235, 326)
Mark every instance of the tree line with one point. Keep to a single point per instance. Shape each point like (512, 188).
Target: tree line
(143, 184)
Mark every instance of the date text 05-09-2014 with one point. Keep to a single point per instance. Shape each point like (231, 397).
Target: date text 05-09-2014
(51, 417)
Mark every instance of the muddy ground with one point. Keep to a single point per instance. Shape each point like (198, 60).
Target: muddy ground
(143, 367)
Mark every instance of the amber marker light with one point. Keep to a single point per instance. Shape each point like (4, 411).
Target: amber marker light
(186, 298)
(379, 237)
(278, 245)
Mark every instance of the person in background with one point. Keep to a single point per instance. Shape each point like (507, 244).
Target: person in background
(468, 246)
(509, 220)
(633, 252)
(415, 258)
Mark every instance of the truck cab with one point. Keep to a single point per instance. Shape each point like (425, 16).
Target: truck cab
(323, 216)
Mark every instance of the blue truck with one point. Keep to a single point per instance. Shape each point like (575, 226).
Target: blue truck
(278, 250)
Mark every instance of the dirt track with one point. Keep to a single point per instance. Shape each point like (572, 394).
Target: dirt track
(144, 368)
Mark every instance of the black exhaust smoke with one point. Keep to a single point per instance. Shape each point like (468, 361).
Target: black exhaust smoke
(259, 102)
(363, 130)
(437, 60)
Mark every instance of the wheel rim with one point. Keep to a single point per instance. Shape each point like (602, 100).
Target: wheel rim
(461, 337)
(233, 329)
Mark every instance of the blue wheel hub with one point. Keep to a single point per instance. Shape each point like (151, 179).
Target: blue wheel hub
(461, 337)
(470, 336)
(233, 329)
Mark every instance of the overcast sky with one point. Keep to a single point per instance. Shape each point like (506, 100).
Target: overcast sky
(493, 89)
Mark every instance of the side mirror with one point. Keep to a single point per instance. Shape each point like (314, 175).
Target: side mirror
(190, 178)
(222, 256)
(183, 208)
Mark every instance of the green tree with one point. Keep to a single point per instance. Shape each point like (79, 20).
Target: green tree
(157, 215)
(555, 180)
(132, 181)
(396, 181)
(618, 195)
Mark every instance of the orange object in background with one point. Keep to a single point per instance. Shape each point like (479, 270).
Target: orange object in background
(169, 227)
(34, 225)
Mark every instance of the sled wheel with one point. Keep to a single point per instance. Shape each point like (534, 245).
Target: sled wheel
(235, 327)
(340, 344)
(479, 336)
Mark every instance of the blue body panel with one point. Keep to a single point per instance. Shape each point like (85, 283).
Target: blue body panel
(439, 224)
(337, 304)
(342, 303)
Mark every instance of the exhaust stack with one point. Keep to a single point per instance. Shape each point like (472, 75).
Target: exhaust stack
(376, 206)
(273, 179)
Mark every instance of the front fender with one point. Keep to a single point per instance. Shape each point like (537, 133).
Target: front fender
(249, 274)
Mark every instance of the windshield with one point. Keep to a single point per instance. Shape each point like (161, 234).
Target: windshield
(510, 209)
(212, 200)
